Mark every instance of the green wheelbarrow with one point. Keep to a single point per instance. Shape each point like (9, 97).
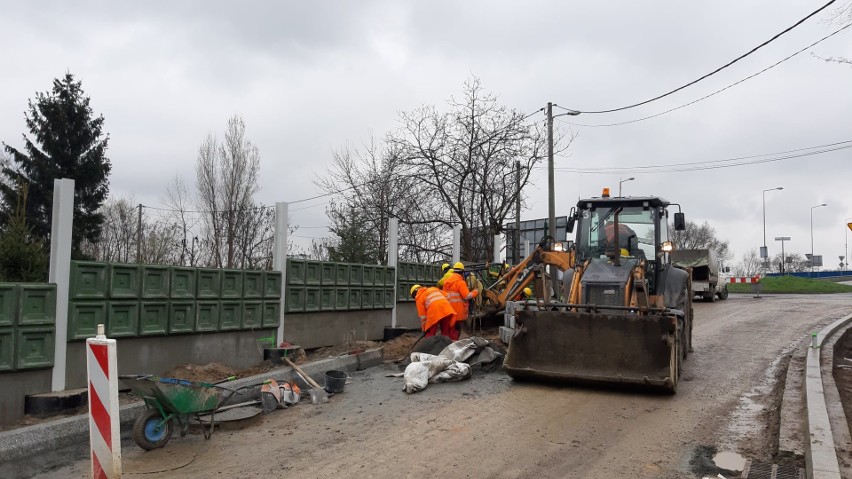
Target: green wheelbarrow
(171, 400)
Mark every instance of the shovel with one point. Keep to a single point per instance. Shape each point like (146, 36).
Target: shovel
(318, 394)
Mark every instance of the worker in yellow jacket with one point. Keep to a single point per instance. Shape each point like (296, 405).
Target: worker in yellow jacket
(458, 294)
(446, 271)
(434, 310)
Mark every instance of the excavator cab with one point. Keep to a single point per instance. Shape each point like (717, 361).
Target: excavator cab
(627, 315)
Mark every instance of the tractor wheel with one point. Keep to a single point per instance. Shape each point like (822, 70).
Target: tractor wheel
(151, 431)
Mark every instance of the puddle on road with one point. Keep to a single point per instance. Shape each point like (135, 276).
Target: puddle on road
(729, 460)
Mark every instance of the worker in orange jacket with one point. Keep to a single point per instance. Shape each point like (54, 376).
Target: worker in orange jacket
(458, 295)
(434, 310)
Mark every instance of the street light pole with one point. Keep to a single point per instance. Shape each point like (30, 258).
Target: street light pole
(551, 198)
(620, 181)
(764, 252)
(812, 235)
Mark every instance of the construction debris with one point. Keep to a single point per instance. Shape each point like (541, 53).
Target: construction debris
(454, 363)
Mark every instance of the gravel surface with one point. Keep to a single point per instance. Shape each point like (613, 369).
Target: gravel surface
(491, 426)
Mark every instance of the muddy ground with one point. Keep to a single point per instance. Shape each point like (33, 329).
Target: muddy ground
(492, 426)
(842, 372)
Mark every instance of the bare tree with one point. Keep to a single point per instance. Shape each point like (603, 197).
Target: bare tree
(750, 265)
(226, 176)
(466, 158)
(118, 236)
(701, 236)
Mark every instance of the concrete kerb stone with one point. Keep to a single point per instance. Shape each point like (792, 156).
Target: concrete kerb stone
(820, 455)
(32, 440)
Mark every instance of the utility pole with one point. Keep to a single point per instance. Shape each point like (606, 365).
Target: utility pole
(139, 236)
(516, 250)
(551, 199)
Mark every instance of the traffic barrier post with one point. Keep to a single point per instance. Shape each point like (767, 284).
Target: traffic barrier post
(104, 432)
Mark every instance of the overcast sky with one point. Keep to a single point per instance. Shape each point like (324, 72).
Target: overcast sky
(312, 77)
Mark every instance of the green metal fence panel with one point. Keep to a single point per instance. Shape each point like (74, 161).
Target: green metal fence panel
(153, 318)
(327, 298)
(327, 270)
(402, 292)
(88, 280)
(232, 283)
(208, 283)
(7, 349)
(367, 298)
(369, 277)
(252, 314)
(341, 274)
(155, 282)
(294, 302)
(355, 297)
(36, 304)
(8, 304)
(356, 274)
(390, 298)
(295, 271)
(207, 316)
(271, 314)
(124, 281)
(122, 319)
(341, 299)
(85, 316)
(181, 317)
(312, 299)
(252, 284)
(390, 276)
(272, 284)
(313, 273)
(182, 283)
(230, 313)
(34, 347)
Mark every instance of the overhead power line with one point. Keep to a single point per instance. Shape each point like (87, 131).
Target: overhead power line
(717, 164)
(717, 91)
(707, 75)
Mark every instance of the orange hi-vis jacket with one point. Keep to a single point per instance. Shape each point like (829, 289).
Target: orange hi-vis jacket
(457, 293)
(432, 307)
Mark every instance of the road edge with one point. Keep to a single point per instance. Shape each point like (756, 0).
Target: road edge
(820, 454)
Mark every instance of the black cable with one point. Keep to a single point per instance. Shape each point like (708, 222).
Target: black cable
(704, 165)
(767, 42)
(715, 92)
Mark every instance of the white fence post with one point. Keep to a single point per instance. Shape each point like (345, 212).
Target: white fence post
(60, 272)
(497, 248)
(279, 261)
(104, 432)
(393, 255)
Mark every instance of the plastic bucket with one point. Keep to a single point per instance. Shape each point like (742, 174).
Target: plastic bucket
(335, 381)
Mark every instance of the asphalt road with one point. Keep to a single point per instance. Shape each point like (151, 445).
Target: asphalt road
(491, 426)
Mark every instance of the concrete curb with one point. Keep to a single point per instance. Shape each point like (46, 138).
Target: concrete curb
(820, 455)
(32, 440)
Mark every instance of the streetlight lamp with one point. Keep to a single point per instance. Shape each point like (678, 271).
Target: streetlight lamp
(623, 181)
(764, 252)
(812, 234)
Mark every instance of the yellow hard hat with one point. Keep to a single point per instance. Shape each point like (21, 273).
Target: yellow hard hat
(445, 267)
(458, 266)
(528, 292)
(414, 289)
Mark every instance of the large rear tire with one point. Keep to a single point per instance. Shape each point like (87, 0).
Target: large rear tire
(710, 295)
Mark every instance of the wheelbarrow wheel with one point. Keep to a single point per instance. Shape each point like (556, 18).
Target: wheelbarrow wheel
(150, 431)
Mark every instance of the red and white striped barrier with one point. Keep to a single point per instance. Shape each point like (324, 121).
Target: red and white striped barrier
(104, 433)
(753, 279)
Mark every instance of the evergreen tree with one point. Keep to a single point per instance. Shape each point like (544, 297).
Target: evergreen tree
(355, 243)
(23, 257)
(67, 142)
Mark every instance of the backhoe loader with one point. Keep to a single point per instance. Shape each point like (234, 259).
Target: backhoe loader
(626, 316)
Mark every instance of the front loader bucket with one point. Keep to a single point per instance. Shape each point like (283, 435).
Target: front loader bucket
(613, 347)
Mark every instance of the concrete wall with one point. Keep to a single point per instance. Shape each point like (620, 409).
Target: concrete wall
(315, 330)
(156, 355)
(15, 386)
